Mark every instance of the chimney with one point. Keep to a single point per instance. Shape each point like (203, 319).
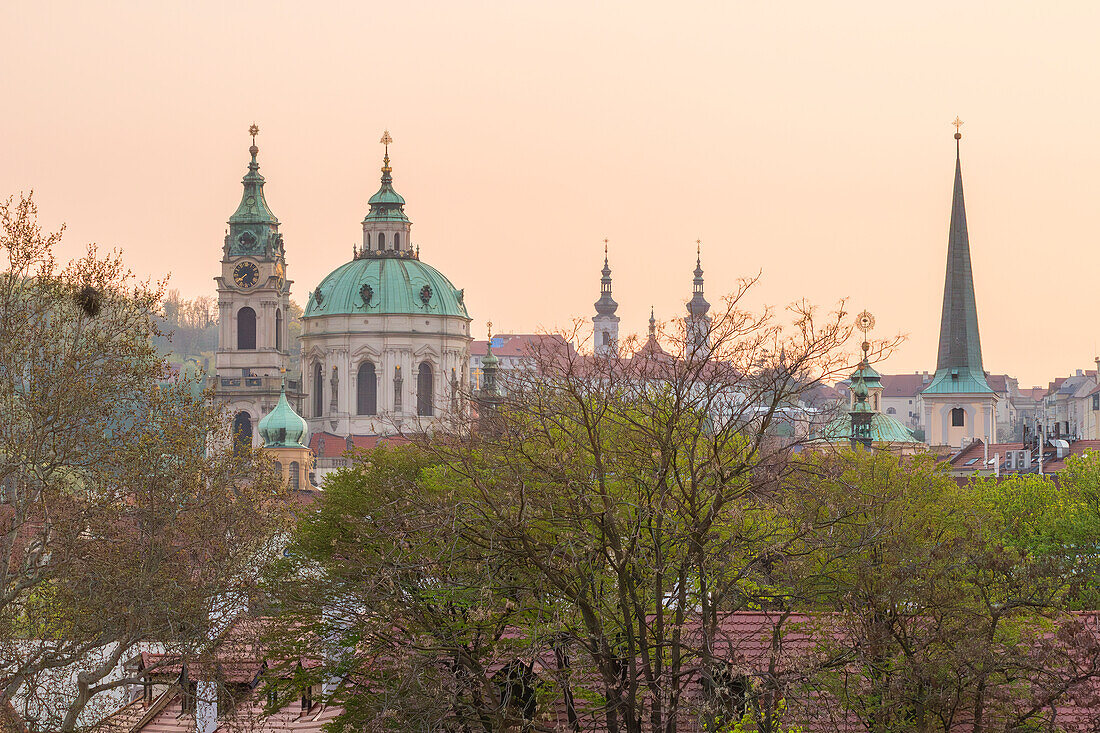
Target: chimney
(206, 707)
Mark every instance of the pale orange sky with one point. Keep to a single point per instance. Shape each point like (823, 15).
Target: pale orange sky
(809, 140)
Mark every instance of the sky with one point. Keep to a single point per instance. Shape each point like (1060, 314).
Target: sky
(807, 141)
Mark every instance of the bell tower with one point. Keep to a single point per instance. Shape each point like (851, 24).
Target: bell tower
(253, 303)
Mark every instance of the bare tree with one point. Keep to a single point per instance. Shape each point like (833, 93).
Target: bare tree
(124, 519)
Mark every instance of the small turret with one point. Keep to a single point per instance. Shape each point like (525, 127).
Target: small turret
(606, 323)
(283, 433)
(698, 320)
(386, 228)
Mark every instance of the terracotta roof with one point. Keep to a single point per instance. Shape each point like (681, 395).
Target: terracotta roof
(334, 446)
(517, 344)
(1051, 462)
(904, 385)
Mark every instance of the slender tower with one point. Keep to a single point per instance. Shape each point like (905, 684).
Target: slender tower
(958, 401)
(698, 321)
(253, 303)
(605, 324)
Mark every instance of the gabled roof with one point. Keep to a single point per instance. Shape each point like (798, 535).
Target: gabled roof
(331, 445)
(519, 344)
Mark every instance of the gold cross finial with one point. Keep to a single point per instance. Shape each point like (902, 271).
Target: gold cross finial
(605, 248)
(386, 140)
(253, 130)
(490, 325)
(957, 123)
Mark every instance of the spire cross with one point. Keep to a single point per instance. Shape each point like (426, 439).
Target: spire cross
(957, 123)
(490, 326)
(253, 130)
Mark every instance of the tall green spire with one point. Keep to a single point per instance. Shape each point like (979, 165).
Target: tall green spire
(959, 363)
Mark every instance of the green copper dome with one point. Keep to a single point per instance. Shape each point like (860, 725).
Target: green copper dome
(282, 427)
(399, 284)
(884, 429)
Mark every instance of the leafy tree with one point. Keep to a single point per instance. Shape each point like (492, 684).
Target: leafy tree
(124, 519)
(936, 608)
(602, 530)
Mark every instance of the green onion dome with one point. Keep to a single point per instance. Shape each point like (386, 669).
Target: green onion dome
(282, 427)
(398, 283)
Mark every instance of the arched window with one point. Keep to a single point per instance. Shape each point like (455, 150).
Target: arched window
(958, 417)
(367, 390)
(246, 328)
(279, 468)
(875, 405)
(278, 329)
(424, 397)
(381, 241)
(242, 433)
(295, 480)
(397, 241)
(890, 411)
(318, 385)
(606, 338)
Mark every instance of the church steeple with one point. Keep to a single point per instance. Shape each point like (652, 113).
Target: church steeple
(253, 227)
(253, 208)
(698, 322)
(386, 227)
(606, 323)
(959, 361)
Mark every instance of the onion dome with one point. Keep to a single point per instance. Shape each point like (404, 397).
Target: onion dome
(385, 286)
(282, 427)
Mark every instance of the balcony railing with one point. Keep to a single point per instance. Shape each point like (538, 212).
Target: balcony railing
(259, 383)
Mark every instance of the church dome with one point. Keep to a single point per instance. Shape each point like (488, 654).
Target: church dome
(282, 427)
(383, 286)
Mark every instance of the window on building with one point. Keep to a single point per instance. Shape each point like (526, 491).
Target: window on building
(730, 696)
(424, 397)
(606, 338)
(890, 411)
(246, 329)
(295, 479)
(1096, 402)
(318, 385)
(279, 468)
(958, 417)
(242, 433)
(278, 329)
(367, 390)
(381, 241)
(397, 241)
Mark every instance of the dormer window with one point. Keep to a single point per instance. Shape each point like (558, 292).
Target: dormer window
(307, 699)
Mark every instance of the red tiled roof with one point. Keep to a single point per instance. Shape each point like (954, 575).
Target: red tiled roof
(904, 385)
(1051, 463)
(518, 344)
(334, 445)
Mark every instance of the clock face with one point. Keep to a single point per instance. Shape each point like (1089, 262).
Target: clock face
(246, 274)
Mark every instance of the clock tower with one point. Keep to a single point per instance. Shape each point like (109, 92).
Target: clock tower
(253, 301)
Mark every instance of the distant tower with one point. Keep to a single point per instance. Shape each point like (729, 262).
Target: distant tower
(253, 303)
(606, 323)
(698, 322)
(958, 402)
(489, 396)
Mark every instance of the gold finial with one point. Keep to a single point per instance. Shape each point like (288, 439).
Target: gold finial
(605, 249)
(865, 322)
(957, 123)
(253, 130)
(490, 327)
(386, 140)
